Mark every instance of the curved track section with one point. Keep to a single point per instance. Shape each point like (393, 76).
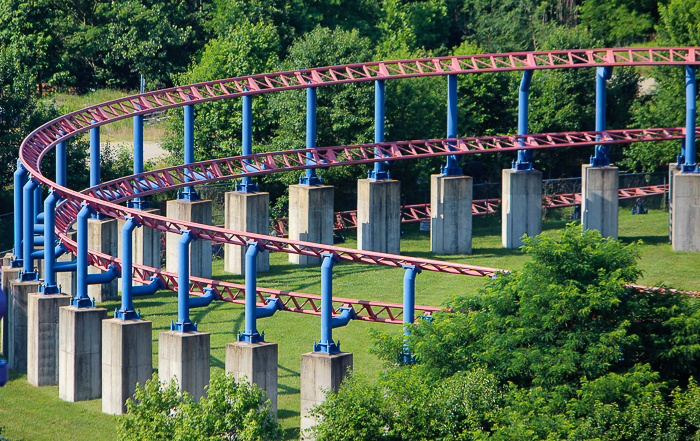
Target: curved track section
(104, 198)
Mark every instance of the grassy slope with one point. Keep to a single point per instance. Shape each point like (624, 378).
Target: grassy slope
(37, 413)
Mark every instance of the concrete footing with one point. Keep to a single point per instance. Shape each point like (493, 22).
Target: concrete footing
(257, 363)
(127, 359)
(379, 216)
(248, 212)
(8, 274)
(451, 214)
(145, 243)
(521, 213)
(200, 250)
(80, 353)
(599, 202)
(102, 237)
(42, 338)
(17, 302)
(672, 170)
(320, 373)
(310, 218)
(185, 357)
(686, 212)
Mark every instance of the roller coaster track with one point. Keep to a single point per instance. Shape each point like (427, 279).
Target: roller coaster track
(105, 198)
(347, 220)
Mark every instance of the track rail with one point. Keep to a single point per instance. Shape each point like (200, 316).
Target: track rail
(104, 198)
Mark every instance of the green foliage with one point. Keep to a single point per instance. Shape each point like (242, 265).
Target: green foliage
(618, 22)
(230, 410)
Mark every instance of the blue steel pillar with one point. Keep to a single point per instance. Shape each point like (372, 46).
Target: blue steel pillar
(37, 203)
(61, 164)
(50, 286)
(379, 173)
(690, 165)
(189, 194)
(94, 160)
(28, 220)
(20, 179)
(452, 167)
(127, 309)
(524, 161)
(326, 344)
(250, 334)
(183, 323)
(247, 185)
(138, 202)
(409, 303)
(310, 177)
(81, 299)
(602, 75)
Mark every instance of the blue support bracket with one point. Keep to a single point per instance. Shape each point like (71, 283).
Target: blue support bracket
(202, 301)
(183, 323)
(603, 74)
(247, 185)
(326, 345)
(524, 161)
(20, 180)
(690, 166)
(189, 193)
(379, 173)
(452, 167)
(310, 177)
(105, 277)
(28, 273)
(148, 290)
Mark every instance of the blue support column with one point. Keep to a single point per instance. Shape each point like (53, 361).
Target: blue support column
(189, 194)
(524, 161)
(20, 179)
(81, 299)
(379, 173)
(326, 344)
(409, 303)
(138, 202)
(28, 220)
(61, 164)
(310, 177)
(37, 204)
(250, 334)
(601, 152)
(94, 160)
(183, 323)
(127, 309)
(690, 165)
(247, 185)
(50, 286)
(452, 167)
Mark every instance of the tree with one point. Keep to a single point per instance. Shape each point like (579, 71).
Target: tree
(230, 410)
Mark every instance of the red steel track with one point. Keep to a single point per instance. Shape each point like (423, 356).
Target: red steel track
(105, 197)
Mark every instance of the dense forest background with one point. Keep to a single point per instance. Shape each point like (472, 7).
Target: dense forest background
(78, 46)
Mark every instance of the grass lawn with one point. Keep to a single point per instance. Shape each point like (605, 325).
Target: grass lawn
(38, 414)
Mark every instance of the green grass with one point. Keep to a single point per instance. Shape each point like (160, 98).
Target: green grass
(38, 414)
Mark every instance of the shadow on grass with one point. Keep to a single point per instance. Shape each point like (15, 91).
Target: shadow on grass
(216, 362)
(647, 240)
(290, 433)
(283, 389)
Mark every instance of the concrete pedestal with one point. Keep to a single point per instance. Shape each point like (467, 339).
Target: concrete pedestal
(686, 212)
(258, 363)
(17, 300)
(379, 216)
(200, 250)
(145, 243)
(521, 213)
(451, 214)
(248, 212)
(80, 353)
(127, 359)
(8, 274)
(102, 237)
(599, 202)
(320, 373)
(310, 218)
(672, 170)
(67, 280)
(185, 356)
(7, 259)
(42, 338)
